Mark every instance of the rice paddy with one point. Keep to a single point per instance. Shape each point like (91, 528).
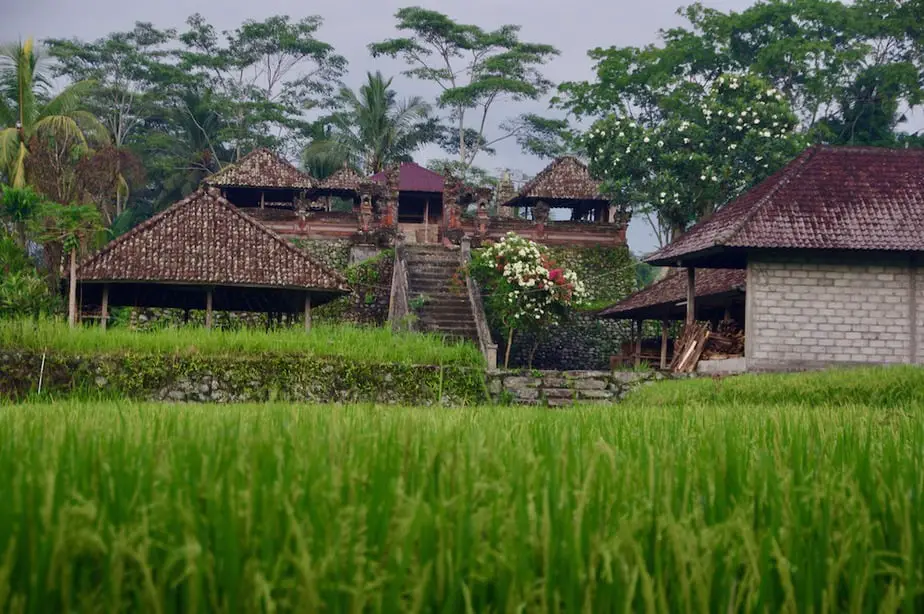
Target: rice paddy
(703, 502)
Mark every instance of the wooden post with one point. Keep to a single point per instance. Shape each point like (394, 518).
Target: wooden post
(307, 313)
(72, 291)
(664, 327)
(427, 221)
(691, 295)
(638, 343)
(104, 314)
(261, 199)
(208, 308)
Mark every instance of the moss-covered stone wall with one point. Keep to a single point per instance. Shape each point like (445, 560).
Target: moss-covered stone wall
(335, 253)
(255, 377)
(607, 272)
(368, 303)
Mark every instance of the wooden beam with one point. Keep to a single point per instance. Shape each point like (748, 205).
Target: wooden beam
(104, 314)
(638, 343)
(307, 313)
(664, 328)
(208, 308)
(691, 295)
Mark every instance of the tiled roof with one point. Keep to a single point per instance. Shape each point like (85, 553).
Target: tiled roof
(415, 178)
(566, 178)
(673, 289)
(203, 239)
(344, 180)
(261, 168)
(845, 198)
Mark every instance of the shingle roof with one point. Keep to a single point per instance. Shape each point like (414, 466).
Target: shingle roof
(673, 289)
(845, 198)
(204, 239)
(566, 178)
(343, 180)
(261, 168)
(415, 178)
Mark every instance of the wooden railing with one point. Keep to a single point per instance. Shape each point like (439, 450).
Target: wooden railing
(398, 306)
(485, 342)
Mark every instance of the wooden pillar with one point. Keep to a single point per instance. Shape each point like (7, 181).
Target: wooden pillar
(307, 313)
(638, 343)
(261, 199)
(691, 295)
(104, 312)
(427, 221)
(664, 326)
(208, 308)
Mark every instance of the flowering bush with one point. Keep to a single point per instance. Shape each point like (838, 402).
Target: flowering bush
(525, 289)
(686, 163)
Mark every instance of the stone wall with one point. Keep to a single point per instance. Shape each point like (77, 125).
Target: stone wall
(848, 310)
(222, 379)
(607, 272)
(563, 388)
(584, 341)
(335, 253)
(368, 303)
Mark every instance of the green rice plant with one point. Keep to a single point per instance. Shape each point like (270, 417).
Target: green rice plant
(360, 344)
(698, 507)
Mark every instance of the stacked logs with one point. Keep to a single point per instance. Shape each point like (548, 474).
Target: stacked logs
(727, 341)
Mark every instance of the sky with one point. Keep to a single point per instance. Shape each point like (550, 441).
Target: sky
(573, 26)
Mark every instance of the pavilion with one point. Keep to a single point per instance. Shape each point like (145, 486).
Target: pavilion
(261, 179)
(204, 253)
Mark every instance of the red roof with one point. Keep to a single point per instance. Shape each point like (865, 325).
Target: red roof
(415, 178)
(838, 198)
(204, 239)
(673, 289)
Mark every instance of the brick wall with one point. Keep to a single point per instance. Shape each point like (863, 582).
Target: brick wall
(810, 311)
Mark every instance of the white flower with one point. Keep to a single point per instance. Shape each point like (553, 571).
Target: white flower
(733, 146)
(756, 121)
(686, 140)
(649, 159)
(714, 178)
(646, 139)
(663, 194)
(660, 143)
(702, 177)
(622, 134)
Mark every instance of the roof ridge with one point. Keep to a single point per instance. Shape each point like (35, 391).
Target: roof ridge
(252, 153)
(787, 174)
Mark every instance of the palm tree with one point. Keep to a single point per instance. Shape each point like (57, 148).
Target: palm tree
(374, 128)
(27, 109)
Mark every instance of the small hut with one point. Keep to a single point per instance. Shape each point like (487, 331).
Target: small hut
(345, 183)
(720, 296)
(261, 179)
(203, 253)
(565, 183)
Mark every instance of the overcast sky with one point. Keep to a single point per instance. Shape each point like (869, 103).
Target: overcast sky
(573, 26)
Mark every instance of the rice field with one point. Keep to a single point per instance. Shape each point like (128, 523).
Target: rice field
(691, 497)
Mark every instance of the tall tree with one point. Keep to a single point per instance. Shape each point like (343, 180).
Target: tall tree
(133, 79)
(374, 128)
(28, 109)
(264, 76)
(475, 69)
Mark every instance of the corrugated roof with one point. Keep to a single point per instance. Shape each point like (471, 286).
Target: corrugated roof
(838, 198)
(204, 239)
(344, 180)
(414, 178)
(566, 178)
(673, 289)
(261, 168)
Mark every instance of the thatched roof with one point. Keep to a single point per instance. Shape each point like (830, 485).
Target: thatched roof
(261, 168)
(565, 180)
(205, 240)
(344, 180)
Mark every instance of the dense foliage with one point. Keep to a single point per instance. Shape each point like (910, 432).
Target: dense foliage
(525, 289)
(721, 496)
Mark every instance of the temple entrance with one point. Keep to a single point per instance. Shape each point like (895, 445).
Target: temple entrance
(417, 234)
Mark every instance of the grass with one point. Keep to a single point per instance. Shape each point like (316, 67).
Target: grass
(691, 497)
(360, 344)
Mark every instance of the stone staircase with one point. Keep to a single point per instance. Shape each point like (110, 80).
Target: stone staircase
(445, 308)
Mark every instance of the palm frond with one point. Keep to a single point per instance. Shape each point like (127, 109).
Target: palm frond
(9, 140)
(62, 127)
(68, 101)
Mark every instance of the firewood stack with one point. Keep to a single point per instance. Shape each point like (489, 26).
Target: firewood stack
(726, 342)
(689, 347)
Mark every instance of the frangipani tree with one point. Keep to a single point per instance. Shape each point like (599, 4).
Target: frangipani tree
(28, 110)
(690, 161)
(525, 290)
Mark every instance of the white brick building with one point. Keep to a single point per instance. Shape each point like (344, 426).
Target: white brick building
(832, 247)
